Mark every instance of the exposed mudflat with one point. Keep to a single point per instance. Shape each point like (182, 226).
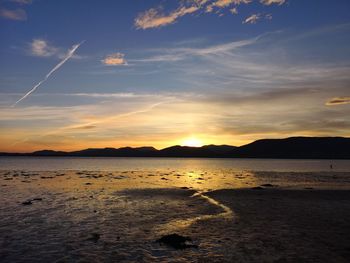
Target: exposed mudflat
(90, 216)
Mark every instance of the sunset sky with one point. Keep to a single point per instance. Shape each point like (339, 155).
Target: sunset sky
(78, 74)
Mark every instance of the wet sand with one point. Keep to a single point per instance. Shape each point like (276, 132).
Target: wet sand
(288, 225)
(89, 216)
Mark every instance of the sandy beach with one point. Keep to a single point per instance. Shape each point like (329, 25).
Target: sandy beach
(89, 216)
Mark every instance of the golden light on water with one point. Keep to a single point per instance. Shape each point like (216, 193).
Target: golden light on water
(192, 141)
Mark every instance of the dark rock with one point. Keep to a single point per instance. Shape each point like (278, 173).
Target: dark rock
(94, 237)
(257, 188)
(176, 241)
(28, 202)
(37, 199)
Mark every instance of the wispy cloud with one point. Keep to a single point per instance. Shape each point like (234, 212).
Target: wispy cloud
(181, 53)
(14, 14)
(270, 2)
(156, 17)
(234, 11)
(39, 47)
(68, 56)
(115, 59)
(18, 14)
(338, 101)
(219, 4)
(42, 48)
(252, 19)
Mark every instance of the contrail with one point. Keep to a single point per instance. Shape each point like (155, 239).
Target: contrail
(68, 56)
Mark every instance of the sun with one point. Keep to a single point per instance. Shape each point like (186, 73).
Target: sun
(193, 142)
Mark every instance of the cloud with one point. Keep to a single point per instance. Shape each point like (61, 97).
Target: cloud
(153, 17)
(115, 59)
(41, 48)
(15, 14)
(178, 53)
(234, 11)
(338, 101)
(270, 2)
(225, 3)
(252, 19)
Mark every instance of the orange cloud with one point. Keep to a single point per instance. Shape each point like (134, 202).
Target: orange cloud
(225, 3)
(115, 59)
(154, 18)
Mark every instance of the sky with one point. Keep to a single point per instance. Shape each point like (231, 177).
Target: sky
(92, 74)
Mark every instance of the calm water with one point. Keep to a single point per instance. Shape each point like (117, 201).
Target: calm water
(120, 164)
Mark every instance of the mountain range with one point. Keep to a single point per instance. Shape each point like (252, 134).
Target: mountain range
(288, 148)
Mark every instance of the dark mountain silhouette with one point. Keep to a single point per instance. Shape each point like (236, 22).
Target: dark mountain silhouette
(297, 148)
(289, 148)
(113, 152)
(204, 151)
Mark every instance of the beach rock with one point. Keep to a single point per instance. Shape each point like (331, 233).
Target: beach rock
(176, 241)
(94, 237)
(28, 202)
(257, 188)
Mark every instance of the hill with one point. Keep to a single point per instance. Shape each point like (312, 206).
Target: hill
(289, 148)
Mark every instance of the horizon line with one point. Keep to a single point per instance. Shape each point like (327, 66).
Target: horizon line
(176, 145)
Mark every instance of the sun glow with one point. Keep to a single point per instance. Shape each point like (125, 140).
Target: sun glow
(193, 142)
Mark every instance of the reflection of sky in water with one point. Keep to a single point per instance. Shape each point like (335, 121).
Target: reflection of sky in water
(178, 164)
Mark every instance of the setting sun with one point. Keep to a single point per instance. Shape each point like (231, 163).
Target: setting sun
(193, 142)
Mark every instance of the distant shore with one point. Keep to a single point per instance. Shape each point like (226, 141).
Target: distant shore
(289, 148)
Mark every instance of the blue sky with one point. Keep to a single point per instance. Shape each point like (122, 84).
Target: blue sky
(162, 72)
